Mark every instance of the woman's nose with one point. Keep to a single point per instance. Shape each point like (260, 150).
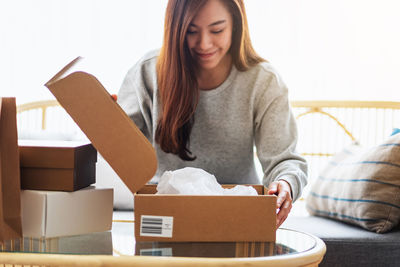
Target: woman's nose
(205, 41)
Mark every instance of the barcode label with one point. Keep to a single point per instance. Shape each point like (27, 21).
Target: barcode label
(159, 226)
(156, 252)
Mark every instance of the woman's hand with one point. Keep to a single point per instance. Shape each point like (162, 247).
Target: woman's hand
(282, 189)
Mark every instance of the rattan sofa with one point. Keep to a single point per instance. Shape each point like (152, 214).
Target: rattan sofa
(326, 127)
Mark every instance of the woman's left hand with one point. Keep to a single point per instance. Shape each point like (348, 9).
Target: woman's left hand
(284, 201)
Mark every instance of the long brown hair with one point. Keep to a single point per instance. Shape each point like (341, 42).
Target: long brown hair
(177, 83)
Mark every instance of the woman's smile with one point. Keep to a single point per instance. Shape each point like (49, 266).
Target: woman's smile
(205, 56)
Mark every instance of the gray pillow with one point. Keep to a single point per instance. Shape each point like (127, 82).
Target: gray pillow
(361, 187)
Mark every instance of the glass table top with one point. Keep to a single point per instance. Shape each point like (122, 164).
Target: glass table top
(121, 241)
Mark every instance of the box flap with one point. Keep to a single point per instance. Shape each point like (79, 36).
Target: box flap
(107, 126)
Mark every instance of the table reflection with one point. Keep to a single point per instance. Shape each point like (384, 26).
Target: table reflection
(212, 250)
(89, 244)
(121, 242)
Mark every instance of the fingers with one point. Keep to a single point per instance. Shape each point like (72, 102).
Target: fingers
(281, 198)
(284, 200)
(282, 190)
(273, 188)
(284, 204)
(283, 195)
(283, 212)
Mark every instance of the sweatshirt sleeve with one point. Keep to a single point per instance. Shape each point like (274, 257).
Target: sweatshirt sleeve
(135, 98)
(276, 138)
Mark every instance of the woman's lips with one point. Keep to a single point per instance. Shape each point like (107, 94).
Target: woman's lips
(205, 55)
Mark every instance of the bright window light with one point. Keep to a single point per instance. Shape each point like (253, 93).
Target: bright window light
(323, 49)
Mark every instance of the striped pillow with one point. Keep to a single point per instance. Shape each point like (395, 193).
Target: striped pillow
(361, 187)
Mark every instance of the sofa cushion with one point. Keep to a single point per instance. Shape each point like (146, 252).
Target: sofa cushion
(361, 187)
(349, 245)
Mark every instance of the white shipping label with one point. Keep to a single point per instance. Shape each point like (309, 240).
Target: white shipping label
(158, 226)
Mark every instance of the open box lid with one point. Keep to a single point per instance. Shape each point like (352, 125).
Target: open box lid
(107, 126)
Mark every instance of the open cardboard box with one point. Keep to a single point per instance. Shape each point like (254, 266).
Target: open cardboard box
(158, 217)
(204, 218)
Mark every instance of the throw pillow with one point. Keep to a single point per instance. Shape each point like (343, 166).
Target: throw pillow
(361, 187)
(395, 131)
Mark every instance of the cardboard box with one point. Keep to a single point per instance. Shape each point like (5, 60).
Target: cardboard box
(57, 165)
(204, 218)
(54, 214)
(126, 149)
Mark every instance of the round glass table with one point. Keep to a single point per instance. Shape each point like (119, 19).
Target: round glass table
(118, 248)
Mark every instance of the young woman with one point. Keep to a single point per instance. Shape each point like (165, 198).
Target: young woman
(206, 98)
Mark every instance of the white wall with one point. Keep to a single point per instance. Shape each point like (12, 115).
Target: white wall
(342, 49)
(39, 37)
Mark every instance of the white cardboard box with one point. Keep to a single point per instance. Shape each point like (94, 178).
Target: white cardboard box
(55, 213)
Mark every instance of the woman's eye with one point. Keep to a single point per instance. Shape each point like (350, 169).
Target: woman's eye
(218, 31)
(191, 32)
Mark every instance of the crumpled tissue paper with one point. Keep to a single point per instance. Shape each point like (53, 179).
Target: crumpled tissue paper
(195, 181)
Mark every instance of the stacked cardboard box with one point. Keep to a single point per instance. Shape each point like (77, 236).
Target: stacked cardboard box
(57, 199)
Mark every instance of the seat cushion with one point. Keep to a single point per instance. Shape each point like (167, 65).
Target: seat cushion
(349, 245)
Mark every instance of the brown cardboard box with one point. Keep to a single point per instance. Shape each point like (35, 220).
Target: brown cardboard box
(204, 218)
(57, 165)
(126, 149)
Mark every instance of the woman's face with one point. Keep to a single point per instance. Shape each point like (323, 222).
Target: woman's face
(209, 35)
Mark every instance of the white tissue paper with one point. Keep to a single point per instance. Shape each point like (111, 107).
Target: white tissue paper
(194, 181)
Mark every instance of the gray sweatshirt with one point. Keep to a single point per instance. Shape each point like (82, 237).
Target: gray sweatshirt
(248, 110)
